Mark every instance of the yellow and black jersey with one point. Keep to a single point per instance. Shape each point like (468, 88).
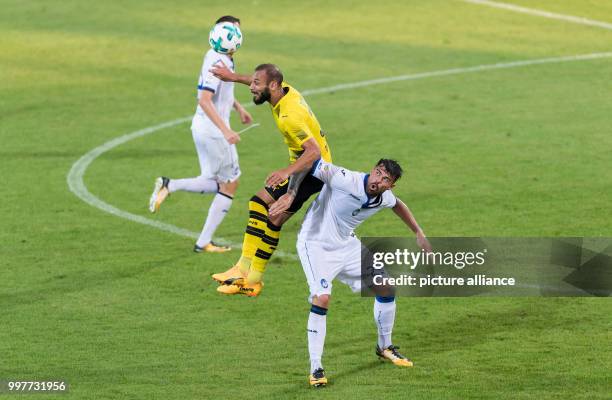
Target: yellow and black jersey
(297, 123)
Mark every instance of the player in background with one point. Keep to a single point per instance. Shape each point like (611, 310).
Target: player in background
(306, 143)
(329, 249)
(214, 140)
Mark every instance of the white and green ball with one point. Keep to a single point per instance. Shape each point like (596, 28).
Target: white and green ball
(225, 38)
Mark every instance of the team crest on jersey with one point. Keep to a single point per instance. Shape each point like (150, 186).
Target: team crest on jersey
(324, 284)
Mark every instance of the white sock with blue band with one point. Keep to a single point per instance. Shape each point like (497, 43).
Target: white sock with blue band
(317, 327)
(384, 316)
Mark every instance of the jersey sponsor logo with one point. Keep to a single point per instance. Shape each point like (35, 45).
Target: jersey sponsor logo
(324, 284)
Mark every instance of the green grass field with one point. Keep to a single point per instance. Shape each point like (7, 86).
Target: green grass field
(124, 310)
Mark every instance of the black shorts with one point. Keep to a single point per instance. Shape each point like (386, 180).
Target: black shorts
(310, 185)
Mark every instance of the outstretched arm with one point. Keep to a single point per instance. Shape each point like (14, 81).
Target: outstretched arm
(225, 74)
(311, 153)
(402, 211)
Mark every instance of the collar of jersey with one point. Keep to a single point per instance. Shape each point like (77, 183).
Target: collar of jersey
(371, 202)
(365, 190)
(284, 97)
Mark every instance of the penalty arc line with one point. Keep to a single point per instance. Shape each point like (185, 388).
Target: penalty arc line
(77, 171)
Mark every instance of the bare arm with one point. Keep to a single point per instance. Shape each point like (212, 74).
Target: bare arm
(285, 201)
(295, 181)
(225, 74)
(402, 211)
(311, 153)
(207, 105)
(297, 171)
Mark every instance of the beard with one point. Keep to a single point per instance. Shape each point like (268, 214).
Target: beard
(263, 97)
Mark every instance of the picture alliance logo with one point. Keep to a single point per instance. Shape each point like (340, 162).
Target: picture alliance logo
(412, 259)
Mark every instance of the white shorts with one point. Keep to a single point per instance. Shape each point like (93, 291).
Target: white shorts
(218, 159)
(322, 265)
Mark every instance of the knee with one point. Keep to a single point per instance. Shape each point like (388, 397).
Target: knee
(385, 299)
(278, 220)
(384, 291)
(264, 196)
(322, 300)
(229, 188)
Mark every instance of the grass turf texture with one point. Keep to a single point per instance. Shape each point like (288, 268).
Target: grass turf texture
(122, 310)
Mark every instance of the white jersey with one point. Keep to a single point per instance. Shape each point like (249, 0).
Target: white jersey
(223, 98)
(341, 206)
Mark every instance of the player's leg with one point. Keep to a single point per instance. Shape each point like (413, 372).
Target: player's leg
(227, 172)
(200, 184)
(255, 228)
(216, 213)
(384, 317)
(265, 247)
(320, 267)
(356, 276)
(317, 329)
(271, 236)
(210, 152)
(260, 241)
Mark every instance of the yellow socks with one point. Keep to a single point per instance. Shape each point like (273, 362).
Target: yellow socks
(256, 228)
(260, 241)
(264, 251)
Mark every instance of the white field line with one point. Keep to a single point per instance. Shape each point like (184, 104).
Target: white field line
(255, 125)
(542, 13)
(78, 169)
(457, 71)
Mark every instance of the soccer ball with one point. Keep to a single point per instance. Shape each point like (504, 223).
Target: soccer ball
(225, 38)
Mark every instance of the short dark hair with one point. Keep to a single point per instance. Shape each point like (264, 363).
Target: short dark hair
(228, 18)
(272, 72)
(392, 167)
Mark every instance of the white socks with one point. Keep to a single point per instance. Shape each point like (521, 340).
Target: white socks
(198, 185)
(218, 208)
(384, 316)
(317, 327)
